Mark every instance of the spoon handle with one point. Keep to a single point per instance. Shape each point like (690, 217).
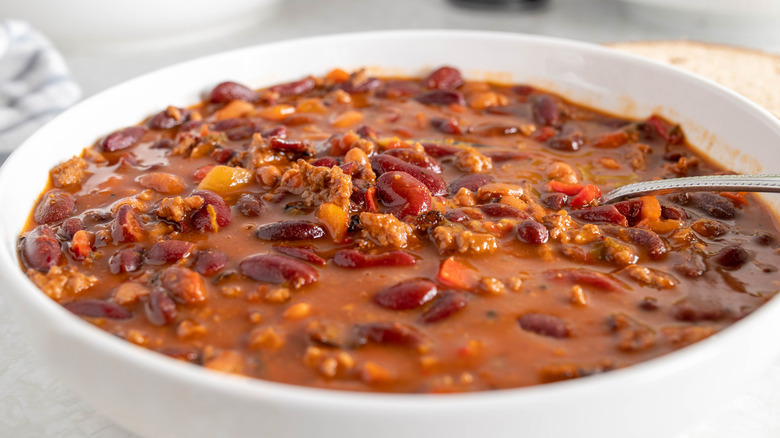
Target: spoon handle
(713, 183)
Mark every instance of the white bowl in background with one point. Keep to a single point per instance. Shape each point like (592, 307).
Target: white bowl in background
(157, 396)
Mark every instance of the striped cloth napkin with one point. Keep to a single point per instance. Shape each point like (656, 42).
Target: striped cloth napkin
(35, 84)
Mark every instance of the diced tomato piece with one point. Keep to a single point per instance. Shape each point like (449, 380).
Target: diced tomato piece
(587, 195)
(201, 173)
(457, 275)
(566, 189)
(371, 200)
(737, 198)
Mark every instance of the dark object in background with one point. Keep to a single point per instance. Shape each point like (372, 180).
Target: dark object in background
(500, 4)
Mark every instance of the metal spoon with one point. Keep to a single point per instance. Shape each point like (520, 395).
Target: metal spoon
(713, 183)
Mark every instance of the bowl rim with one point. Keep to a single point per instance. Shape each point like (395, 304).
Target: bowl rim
(644, 372)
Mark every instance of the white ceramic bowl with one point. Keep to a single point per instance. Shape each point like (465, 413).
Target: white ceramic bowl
(160, 397)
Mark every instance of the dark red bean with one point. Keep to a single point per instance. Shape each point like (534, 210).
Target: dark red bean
(227, 91)
(184, 285)
(472, 181)
(448, 126)
(160, 308)
(569, 142)
(393, 89)
(545, 111)
(363, 86)
(294, 88)
(448, 304)
(169, 251)
(556, 201)
(419, 159)
(505, 155)
(392, 333)
(290, 230)
(55, 205)
(367, 132)
(301, 253)
(223, 155)
(227, 124)
(403, 194)
(70, 226)
(408, 294)
(649, 303)
(494, 130)
(441, 97)
(325, 162)
(209, 262)
(98, 309)
(463, 214)
(278, 131)
(496, 210)
(764, 239)
(163, 120)
(672, 212)
(522, 90)
(351, 258)
(202, 220)
(601, 213)
(732, 256)
(437, 150)
(126, 226)
(444, 78)
(123, 139)
(286, 145)
(40, 249)
(385, 163)
(630, 209)
(164, 143)
(545, 325)
(530, 231)
(279, 269)
(710, 203)
(586, 277)
(655, 245)
(699, 307)
(126, 260)
(250, 205)
(710, 227)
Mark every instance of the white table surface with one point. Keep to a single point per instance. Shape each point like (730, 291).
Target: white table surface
(33, 403)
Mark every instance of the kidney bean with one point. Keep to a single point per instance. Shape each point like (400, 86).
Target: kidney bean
(363, 86)
(163, 120)
(325, 162)
(184, 285)
(448, 126)
(250, 205)
(710, 203)
(448, 304)
(393, 333)
(419, 159)
(122, 139)
(710, 227)
(285, 145)
(294, 88)
(472, 181)
(441, 97)
(164, 143)
(694, 308)
(367, 132)
(70, 226)
(463, 214)
(444, 78)
(290, 230)
(556, 201)
(545, 110)
(383, 163)
(278, 269)
(126, 260)
(530, 231)
(586, 277)
(160, 308)
(496, 210)
(227, 124)
(494, 130)
(202, 220)
(505, 155)
(630, 209)
(227, 91)
(301, 253)
(209, 262)
(408, 294)
(98, 309)
(55, 205)
(403, 194)
(437, 150)
(732, 256)
(162, 182)
(351, 258)
(545, 325)
(40, 249)
(126, 226)
(569, 142)
(673, 212)
(277, 131)
(601, 213)
(655, 245)
(764, 239)
(169, 251)
(522, 90)
(223, 155)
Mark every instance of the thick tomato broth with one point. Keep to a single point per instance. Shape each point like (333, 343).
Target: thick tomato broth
(397, 279)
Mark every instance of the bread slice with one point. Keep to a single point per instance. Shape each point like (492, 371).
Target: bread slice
(752, 73)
